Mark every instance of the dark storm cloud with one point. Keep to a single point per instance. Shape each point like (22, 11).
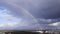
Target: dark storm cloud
(49, 9)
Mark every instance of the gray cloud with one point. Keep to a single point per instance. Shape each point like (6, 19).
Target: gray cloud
(40, 9)
(37, 14)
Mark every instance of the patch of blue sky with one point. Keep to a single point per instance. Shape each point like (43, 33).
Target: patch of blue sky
(5, 16)
(3, 20)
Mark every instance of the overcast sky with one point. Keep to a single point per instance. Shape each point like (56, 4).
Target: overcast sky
(29, 14)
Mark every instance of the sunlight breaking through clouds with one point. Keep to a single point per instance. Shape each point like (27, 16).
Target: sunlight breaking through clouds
(2, 25)
(8, 20)
(8, 24)
(55, 24)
